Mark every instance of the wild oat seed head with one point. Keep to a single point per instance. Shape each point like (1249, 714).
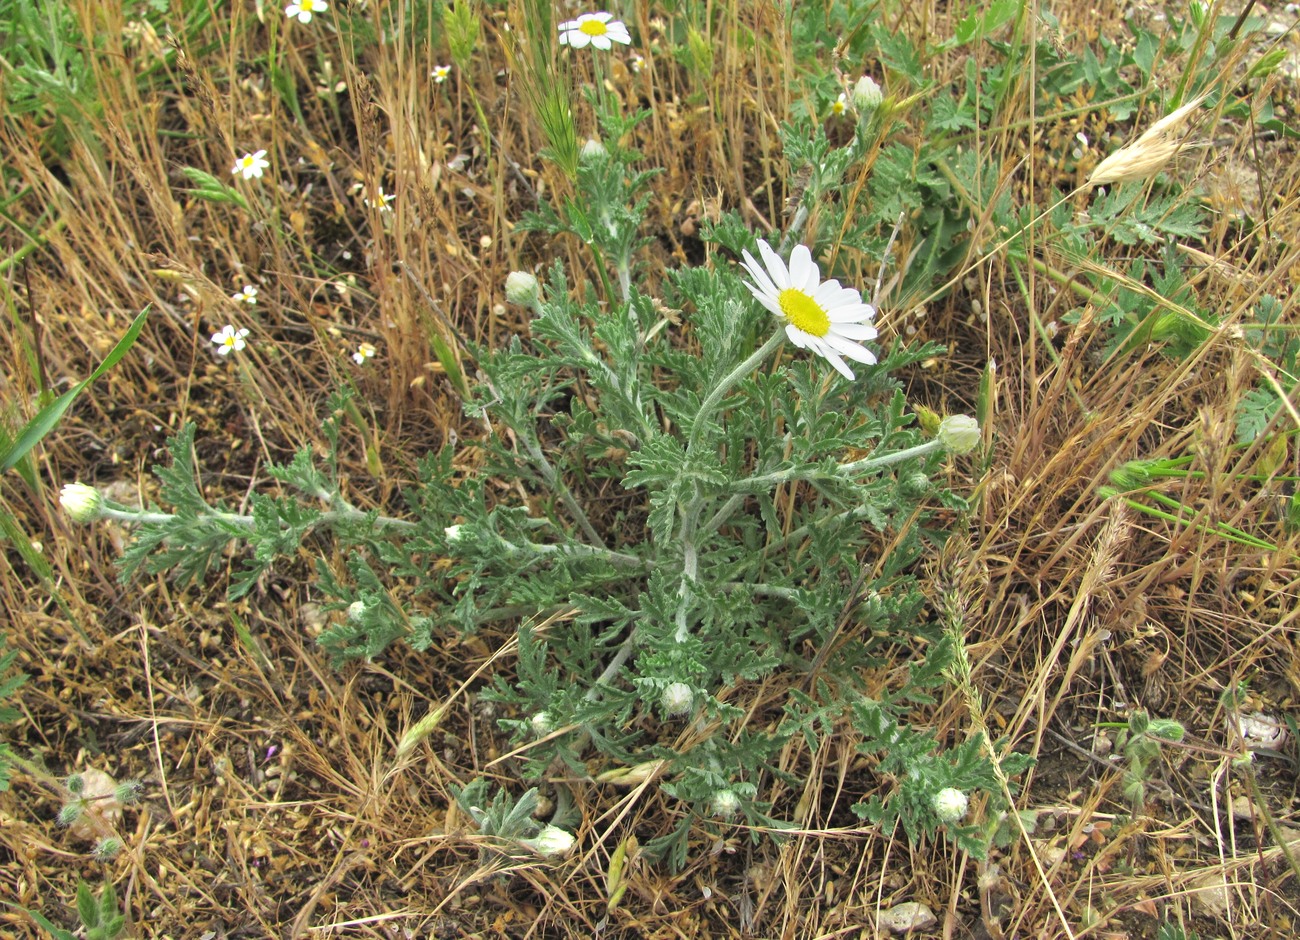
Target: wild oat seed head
(1147, 155)
(821, 316)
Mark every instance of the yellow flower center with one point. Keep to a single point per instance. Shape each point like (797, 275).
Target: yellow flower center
(804, 312)
(594, 28)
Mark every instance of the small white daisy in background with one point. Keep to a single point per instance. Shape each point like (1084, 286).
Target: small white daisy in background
(302, 10)
(440, 74)
(229, 339)
(638, 63)
(245, 295)
(364, 351)
(819, 315)
(381, 201)
(597, 29)
(840, 105)
(250, 165)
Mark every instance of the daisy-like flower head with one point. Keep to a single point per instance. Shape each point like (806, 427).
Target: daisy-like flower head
(840, 105)
(245, 295)
(381, 201)
(638, 63)
(819, 315)
(229, 339)
(440, 74)
(303, 9)
(250, 165)
(597, 29)
(364, 351)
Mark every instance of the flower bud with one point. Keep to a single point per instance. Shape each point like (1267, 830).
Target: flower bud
(950, 805)
(959, 434)
(593, 150)
(522, 289)
(452, 534)
(356, 610)
(552, 841)
(82, 503)
(725, 804)
(107, 849)
(542, 724)
(867, 95)
(677, 699)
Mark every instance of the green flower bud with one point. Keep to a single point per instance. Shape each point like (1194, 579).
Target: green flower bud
(867, 95)
(82, 503)
(950, 805)
(552, 842)
(725, 804)
(959, 434)
(107, 849)
(677, 699)
(522, 289)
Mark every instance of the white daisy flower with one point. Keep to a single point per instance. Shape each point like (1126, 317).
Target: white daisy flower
(250, 165)
(638, 63)
(819, 315)
(597, 29)
(364, 351)
(840, 105)
(245, 295)
(303, 9)
(381, 201)
(229, 339)
(440, 74)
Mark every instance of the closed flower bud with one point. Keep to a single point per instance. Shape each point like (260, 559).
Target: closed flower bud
(82, 503)
(950, 805)
(107, 849)
(452, 534)
(356, 610)
(677, 699)
(593, 150)
(916, 483)
(725, 804)
(522, 289)
(542, 724)
(552, 841)
(959, 434)
(867, 95)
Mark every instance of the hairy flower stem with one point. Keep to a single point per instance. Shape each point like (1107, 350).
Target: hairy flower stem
(139, 517)
(736, 374)
(555, 483)
(691, 511)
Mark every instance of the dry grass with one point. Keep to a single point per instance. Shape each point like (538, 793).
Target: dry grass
(275, 804)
